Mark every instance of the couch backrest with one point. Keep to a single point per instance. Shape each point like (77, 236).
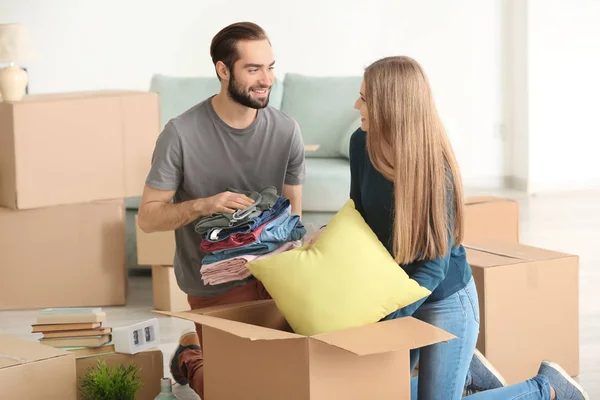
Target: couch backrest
(178, 94)
(323, 106)
(324, 109)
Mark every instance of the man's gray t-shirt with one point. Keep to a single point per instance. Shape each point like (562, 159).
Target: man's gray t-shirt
(198, 155)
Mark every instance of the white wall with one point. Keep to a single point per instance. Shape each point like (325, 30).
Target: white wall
(85, 45)
(564, 94)
(515, 57)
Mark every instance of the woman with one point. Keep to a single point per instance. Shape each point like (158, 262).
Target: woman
(406, 183)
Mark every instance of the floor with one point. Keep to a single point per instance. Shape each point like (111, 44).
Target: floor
(563, 222)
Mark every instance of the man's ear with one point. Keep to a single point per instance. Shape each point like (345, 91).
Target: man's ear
(222, 70)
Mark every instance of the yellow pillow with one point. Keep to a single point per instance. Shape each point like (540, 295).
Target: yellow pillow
(347, 278)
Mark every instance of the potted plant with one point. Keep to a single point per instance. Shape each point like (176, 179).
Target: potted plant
(104, 382)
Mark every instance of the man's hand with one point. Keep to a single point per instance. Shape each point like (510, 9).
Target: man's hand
(226, 202)
(156, 212)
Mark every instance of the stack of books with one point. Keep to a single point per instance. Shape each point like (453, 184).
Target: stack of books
(82, 331)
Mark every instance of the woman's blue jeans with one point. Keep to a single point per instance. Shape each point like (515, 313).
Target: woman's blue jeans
(443, 367)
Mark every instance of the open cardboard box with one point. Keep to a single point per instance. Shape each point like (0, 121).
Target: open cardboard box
(252, 345)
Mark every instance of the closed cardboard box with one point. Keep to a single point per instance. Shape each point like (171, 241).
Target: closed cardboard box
(166, 293)
(63, 256)
(76, 147)
(156, 248)
(252, 345)
(529, 307)
(150, 363)
(491, 218)
(29, 370)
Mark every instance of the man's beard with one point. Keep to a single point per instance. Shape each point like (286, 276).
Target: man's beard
(240, 95)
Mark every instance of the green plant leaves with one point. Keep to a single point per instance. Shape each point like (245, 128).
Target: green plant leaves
(104, 382)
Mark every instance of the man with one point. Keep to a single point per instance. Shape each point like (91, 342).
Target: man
(231, 140)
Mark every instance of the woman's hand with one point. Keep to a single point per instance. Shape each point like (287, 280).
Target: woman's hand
(312, 238)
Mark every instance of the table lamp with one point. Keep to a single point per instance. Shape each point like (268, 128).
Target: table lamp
(15, 46)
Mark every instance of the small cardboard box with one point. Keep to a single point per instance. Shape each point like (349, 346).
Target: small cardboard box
(252, 345)
(72, 148)
(166, 293)
(63, 256)
(32, 371)
(491, 218)
(156, 248)
(149, 361)
(529, 307)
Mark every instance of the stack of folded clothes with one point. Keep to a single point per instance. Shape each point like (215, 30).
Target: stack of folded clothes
(230, 241)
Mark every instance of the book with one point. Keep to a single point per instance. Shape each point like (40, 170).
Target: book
(91, 341)
(64, 327)
(61, 318)
(70, 310)
(79, 333)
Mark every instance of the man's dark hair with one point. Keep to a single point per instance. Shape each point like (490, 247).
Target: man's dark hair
(224, 45)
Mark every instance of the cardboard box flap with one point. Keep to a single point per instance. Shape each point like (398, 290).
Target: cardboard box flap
(14, 351)
(485, 259)
(494, 252)
(386, 336)
(45, 97)
(248, 331)
(219, 309)
(7, 360)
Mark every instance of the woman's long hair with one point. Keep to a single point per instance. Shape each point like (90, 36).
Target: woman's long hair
(407, 143)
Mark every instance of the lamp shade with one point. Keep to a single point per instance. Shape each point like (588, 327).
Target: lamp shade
(15, 45)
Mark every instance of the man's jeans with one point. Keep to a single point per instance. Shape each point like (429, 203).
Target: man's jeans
(443, 367)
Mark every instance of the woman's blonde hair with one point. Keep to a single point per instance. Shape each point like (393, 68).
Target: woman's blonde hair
(407, 143)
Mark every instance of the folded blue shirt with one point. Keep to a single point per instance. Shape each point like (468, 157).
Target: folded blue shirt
(285, 228)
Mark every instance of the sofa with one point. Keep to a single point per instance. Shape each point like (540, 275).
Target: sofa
(323, 108)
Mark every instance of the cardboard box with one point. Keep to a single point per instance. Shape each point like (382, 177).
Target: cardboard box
(529, 307)
(157, 248)
(32, 371)
(491, 218)
(63, 256)
(76, 147)
(166, 293)
(149, 361)
(252, 345)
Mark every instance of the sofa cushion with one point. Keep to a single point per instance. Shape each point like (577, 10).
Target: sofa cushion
(345, 140)
(178, 94)
(327, 186)
(323, 107)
